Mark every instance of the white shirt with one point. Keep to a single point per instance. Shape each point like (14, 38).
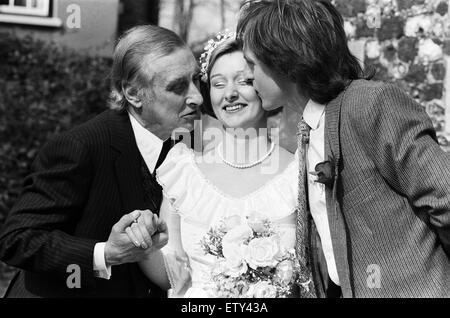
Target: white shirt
(314, 115)
(150, 147)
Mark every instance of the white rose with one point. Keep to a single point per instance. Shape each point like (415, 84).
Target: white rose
(373, 49)
(285, 272)
(256, 221)
(429, 51)
(235, 267)
(262, 289)
(231, 222)
(262, 252)
(237, 235)
(219, 267)
(233, 249)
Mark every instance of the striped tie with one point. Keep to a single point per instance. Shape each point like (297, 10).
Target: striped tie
(302, 247)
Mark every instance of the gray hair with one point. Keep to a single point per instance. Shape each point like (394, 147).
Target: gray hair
(133, 46)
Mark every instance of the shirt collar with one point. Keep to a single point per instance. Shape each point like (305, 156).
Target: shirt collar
(313, 113)
(148, 144)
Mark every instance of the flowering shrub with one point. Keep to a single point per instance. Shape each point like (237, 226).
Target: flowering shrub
(405, 42)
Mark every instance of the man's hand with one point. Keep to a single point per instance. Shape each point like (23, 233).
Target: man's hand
(148, 231)
(134, 237)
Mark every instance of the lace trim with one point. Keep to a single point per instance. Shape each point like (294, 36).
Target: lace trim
(168, 271)
(187, 157)
(177, 207)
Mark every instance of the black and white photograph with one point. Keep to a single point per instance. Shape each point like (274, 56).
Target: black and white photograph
(225, 149)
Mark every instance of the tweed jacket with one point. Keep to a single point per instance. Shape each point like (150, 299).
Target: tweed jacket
(83, 182)
(389, 206)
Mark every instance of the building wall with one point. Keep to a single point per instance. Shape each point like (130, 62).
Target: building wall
(96, 34)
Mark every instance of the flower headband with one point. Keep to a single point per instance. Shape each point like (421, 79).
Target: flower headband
(209, 48)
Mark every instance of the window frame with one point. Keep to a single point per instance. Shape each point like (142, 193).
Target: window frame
(45, 16)
(11, 8)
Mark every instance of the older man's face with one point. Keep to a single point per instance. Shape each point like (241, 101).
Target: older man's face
(172, 98)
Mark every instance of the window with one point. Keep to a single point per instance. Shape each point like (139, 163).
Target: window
(39, 8)
(34, 12)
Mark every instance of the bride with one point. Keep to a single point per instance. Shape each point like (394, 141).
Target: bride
(200, 190)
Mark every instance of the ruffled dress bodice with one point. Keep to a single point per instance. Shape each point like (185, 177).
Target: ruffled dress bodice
(201, 205)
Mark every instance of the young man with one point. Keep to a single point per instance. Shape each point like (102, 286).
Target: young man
(382, 223)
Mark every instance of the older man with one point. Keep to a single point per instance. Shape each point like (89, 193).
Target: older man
(70, 225)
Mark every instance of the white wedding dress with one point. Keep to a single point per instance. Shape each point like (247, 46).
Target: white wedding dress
(200, 205)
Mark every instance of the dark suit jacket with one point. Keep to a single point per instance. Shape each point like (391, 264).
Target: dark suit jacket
(389, 207)
(83, 182)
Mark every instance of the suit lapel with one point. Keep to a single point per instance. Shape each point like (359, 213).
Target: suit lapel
(336, 219)
(127, 165)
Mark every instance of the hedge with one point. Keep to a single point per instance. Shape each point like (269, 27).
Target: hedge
(44, 90)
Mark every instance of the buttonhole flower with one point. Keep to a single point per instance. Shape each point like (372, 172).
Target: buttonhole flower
(325, 172)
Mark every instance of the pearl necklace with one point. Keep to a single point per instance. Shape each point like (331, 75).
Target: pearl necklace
(248, 165)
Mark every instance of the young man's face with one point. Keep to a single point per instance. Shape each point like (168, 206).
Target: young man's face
(268, 85)
(172, 98)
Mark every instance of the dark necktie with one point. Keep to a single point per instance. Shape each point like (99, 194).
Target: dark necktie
(302, 246)
(167, 145)
(152, 190)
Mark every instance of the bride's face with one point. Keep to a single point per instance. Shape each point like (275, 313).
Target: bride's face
(233, 98)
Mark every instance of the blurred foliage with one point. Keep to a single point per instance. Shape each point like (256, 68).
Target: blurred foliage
(44, 90)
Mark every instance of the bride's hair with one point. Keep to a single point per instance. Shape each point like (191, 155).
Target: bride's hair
(303, 40)
(226, 47)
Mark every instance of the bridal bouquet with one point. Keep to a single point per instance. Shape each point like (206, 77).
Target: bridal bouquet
(250, 259)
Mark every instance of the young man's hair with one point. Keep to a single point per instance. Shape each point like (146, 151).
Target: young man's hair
(303, 40)
(128, 61)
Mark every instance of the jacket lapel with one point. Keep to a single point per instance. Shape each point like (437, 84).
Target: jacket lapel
(127, 165)
(336, 219)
